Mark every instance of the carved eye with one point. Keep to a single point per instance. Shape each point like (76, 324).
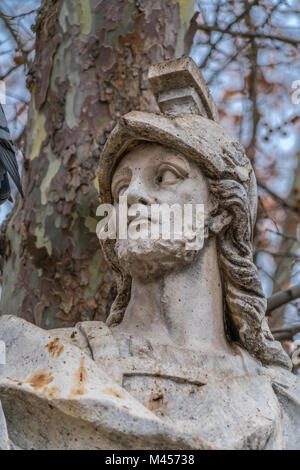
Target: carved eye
(168, 176)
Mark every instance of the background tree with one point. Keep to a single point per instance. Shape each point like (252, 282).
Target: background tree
(90, 67)
(17, 44)
(249, 54)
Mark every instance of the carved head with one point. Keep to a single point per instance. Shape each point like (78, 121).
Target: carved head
(186, 155)
(152, 176)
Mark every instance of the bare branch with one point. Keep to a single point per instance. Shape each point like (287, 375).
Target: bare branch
(252, 88)
(282, 298)
(279, 254)
(283, 235)
(250, 34)
(228, 28)
(275, 196)
(21, 15)
(15, 67)
(12, 31)
(286, 333)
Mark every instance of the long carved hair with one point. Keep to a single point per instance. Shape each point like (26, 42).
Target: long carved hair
(244, 301)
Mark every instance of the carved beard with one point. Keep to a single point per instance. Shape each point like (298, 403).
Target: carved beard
(148, 259)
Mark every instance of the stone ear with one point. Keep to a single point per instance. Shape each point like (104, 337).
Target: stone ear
(219, 222)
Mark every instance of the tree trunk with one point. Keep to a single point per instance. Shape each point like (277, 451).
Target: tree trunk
(91, 63)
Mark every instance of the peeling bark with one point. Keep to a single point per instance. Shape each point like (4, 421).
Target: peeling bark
(92, 58)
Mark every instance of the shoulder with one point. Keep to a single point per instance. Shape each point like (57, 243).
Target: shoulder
(88, 336)
(286, 386)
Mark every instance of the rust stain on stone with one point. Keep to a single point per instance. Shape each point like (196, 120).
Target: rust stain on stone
(51, 392)
(55, 348)
(81, 378)
(113, 392)
(156, 400)
(40, 379)
(16, 381)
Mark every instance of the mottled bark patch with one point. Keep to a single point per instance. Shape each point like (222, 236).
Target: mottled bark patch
(88, 71)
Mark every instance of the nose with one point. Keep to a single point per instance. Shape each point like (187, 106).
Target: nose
(137, 193)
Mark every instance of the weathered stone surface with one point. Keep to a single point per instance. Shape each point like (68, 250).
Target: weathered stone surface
(69, 398)
(186, 359)
(4, 440)
(179, 87)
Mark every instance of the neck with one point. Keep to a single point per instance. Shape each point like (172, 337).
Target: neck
(184, 308)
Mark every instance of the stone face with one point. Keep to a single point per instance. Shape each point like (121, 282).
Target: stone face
(186, 359)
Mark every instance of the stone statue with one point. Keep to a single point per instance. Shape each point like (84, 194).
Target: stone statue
(186, 359)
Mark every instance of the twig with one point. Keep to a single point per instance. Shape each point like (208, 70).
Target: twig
(286, 333)
(252, 89)
(229, 61)
(283, 297)
(227, 30)
(283, 235)
(12, 31)
(275, 196)
(260, 201)
(249, 34)
(15, 67)
(21, 15)
(279, 255)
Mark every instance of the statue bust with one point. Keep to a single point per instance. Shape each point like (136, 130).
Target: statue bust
(186, 359)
